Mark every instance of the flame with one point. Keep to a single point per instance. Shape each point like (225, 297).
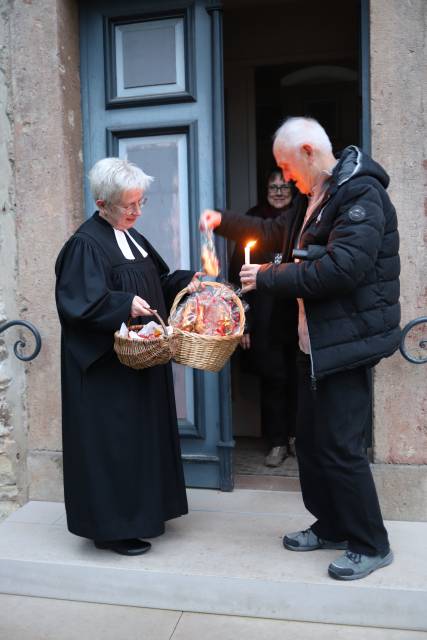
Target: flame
(250, 244)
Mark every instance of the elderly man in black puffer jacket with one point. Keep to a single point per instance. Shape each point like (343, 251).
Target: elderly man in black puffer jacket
(340, 261)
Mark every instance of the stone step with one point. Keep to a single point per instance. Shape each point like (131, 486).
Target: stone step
(225, 557)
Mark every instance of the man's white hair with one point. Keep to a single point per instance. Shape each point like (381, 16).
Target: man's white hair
(109, 177)
(296, 132)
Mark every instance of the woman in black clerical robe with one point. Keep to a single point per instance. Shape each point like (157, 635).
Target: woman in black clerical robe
(123, 475)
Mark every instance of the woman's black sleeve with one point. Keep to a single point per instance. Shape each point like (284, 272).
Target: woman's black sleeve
(82, 294)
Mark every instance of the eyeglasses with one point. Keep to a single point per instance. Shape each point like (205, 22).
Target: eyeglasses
(275, 188)
(132, 208)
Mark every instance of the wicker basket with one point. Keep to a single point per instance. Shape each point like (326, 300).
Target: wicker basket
(141, 354)
(209, 353)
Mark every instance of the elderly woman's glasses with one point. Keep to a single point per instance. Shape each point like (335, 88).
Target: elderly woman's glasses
(132, 208)
(275, 188)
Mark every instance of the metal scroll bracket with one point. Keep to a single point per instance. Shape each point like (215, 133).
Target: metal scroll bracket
(21, 344)
(422, 344)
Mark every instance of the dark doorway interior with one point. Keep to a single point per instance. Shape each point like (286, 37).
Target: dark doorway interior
(328, 93)
(281, 58)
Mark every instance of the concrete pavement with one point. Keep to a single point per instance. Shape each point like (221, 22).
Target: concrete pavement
(225, 557)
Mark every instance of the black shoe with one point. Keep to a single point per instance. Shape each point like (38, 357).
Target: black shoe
(130, 547)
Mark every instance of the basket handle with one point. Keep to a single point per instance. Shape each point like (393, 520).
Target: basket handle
(154, 313)
(177, 300)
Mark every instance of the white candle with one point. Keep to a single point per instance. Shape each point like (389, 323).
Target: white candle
(248, 252)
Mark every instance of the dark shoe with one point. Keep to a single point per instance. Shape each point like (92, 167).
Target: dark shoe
(308, 541)
(276, 456)
(353, 566)
(130, 547)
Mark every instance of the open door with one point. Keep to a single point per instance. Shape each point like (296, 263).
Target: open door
(148, 97)
(284, 59)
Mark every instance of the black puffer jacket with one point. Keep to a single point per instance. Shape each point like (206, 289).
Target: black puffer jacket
(351, 287)
(270, 321)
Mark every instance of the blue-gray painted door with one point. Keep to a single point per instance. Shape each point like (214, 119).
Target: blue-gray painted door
(151, 75)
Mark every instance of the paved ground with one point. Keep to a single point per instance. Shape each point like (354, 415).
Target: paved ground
(225, 560)
(24, 618)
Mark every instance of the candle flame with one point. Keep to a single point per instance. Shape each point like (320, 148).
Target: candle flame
(251, 244)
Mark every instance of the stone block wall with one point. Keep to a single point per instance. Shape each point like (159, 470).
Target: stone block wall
(48, 174)
(40, 206)
(399, 142)
(13, 425)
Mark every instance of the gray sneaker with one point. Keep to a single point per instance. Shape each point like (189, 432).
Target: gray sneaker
(308, 541)
(353, 566)
(291, 447)
(276, 456)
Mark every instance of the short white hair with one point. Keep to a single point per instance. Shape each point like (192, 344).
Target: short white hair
(296, 132)
(110, 177)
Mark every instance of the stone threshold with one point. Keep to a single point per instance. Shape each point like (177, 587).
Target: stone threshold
(225, 557)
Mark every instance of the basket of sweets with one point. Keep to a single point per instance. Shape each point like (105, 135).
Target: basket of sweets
(207, 326)
(144, 345)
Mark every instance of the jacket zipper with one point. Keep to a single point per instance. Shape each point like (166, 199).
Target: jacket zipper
(317, 212)
(313, 379)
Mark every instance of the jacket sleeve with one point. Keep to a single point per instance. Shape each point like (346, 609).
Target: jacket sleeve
(82, 294)
(172, 283)
(352, 247)
(89, 311)
(238, 256)
(272, 233)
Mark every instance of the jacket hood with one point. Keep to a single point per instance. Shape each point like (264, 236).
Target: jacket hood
(354, 162)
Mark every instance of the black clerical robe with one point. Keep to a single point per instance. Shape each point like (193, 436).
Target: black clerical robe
(123, 474)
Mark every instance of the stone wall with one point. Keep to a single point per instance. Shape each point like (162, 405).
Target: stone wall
(41, 186)
(399, 142)
(13, 471)
(49, 203)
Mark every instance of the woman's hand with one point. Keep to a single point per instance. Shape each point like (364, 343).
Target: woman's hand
(245, 341)
(195, 283)
(140, 307)
(209, 219)
(248, 276)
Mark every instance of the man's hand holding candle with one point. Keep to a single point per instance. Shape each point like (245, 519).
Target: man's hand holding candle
(248, 274)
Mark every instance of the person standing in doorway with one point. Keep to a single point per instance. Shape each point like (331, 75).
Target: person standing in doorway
(270, 342)
(346, 281)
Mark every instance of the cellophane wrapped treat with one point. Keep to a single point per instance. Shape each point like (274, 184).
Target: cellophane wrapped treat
(148, 331)
(210, 263)
(211, 311)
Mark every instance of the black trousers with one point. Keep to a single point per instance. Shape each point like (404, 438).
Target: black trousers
(278, 400)
(336, 480)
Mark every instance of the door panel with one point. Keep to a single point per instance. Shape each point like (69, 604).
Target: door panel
(146, 96)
